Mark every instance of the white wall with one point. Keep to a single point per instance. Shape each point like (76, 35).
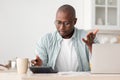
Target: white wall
(87, 14)
(22, 22)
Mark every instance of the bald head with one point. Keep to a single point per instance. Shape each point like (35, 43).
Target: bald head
(68, 9)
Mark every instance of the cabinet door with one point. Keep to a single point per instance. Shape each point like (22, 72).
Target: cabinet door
(106, 13)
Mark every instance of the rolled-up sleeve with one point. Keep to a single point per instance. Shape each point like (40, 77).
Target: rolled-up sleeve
(41, 50)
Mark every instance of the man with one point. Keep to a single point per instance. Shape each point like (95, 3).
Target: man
(66, 49)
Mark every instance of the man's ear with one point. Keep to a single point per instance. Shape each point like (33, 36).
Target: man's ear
(75, 20)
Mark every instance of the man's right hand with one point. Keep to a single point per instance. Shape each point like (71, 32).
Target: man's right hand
(37, 61)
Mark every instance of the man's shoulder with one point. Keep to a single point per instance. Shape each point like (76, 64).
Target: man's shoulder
(49, 36)
(81, 32)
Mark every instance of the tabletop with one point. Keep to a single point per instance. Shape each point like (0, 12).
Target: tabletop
(13, 75)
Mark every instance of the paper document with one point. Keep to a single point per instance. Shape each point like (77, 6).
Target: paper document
(73, 73)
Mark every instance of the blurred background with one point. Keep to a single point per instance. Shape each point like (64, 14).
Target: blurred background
(23, 22)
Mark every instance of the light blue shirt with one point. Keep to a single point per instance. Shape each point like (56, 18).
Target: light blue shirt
(48, 48)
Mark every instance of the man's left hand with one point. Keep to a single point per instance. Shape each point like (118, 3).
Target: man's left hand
(90, 39)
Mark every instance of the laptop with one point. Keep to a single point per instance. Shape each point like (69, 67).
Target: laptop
(105, 58)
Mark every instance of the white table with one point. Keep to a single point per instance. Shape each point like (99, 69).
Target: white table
(12, 75)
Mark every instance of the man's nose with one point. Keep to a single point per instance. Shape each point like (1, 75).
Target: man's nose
(62, 26)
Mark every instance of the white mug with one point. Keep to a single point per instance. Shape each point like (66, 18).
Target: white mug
(22, 65)
(13, 64)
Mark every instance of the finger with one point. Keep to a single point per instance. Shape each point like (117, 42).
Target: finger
(38, 61)
(84, 40)
(89, 33)
(87, 42)
(89, 36)
(37, 57)
(33, 62)
(95, 31)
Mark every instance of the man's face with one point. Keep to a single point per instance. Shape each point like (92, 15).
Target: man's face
(65, 24)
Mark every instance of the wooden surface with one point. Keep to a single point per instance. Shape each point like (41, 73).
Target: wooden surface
(13, 75)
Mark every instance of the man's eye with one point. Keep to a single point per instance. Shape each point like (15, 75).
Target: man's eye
(59, 22)
(67, 23)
